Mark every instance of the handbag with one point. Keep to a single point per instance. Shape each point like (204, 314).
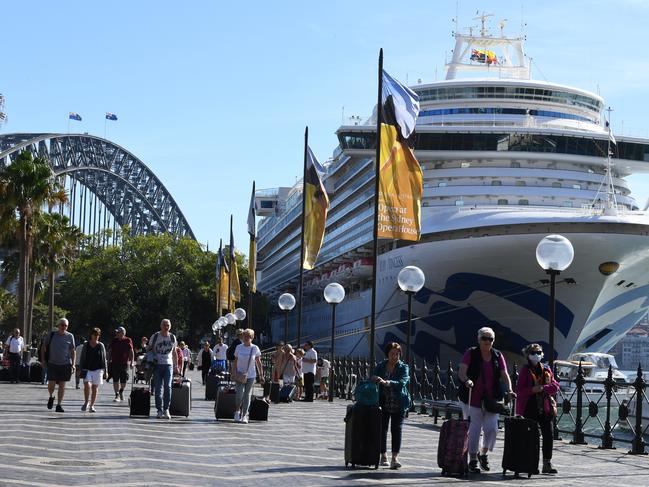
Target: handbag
(367, 393)
(490, 405)
(553, 406)
(241, 377)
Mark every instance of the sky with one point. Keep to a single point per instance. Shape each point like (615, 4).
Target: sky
(212, 94)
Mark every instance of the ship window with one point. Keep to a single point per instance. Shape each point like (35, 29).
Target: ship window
(523, 202)
(441, 185)
(567, 204)
(496, 182)
(457, 203)
(576, 186)
(515, 164)
(503, 202)
(521, 183)
(556, 185)
(266, 204)
(465, 165)
(439, 165)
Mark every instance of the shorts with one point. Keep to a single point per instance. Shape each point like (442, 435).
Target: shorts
(59, 373)
(119, 373)
(324, 380)
(95, 377)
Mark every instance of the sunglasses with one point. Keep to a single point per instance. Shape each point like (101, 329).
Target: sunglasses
(487, 339)
(536, 353)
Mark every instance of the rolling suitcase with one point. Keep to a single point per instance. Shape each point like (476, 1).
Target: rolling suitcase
(453, 446)
(225, 404)
(181, 398)
(211, 385)
(521, 451)
(258, 410)
(274, 392)
(286, 393)
(36, 372)
(363, 435)
(24, 373)
(140, 402)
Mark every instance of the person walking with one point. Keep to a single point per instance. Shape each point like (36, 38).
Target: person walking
(392, 376)
(58, 355)
(187, 357)
(163, 344)
(220, 356)
(120, 358)
(14, 347)
(247, 360)
(77, 372)
(535, 390)
(323, 369)
(204, 360)
(94, 365)
(308, 369)
(482, 370)
(299, 376)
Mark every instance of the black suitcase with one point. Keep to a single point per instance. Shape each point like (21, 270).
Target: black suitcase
(24, 373)
(266, 389)
(521, 451)
(140, 402)
(274, 392)
(286, 393)
(258, 410)
(363, 435)
(36, 372)
(225, 404)
(4, 375)
(211, 385)
(181, 398)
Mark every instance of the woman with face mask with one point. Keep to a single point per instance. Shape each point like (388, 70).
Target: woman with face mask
(536, 388)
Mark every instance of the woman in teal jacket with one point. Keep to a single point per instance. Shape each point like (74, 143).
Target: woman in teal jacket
(392, 376)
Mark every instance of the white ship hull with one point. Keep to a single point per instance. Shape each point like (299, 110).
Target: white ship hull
(494, 281)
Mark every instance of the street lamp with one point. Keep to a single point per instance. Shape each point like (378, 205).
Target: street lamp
(334, 294)
(411, 279)
(286, 303)
(554, 254)
(230, 320)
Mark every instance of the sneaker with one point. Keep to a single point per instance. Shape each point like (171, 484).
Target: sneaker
(166, 414)
(245, 419)
(237, 417)
(548, 468)
(92, 409)
(85, 406)
(121, 396)
(50, 402)
(160, 415)
(395, 465)
(484, 462)
(78, 387)
(384, 461)
(59, 409)
(117, 399)
(473, 466)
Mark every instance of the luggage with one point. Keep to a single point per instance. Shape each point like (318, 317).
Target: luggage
(36, 372)
(274, 392)
(181, 398)
(4, 375)
(366, 393)
(211, 385)
(225, 404)
(453, 447)
(258, 410)
(140, 402)
(521, 451)
(24, 373)
(286, 393)
(363, 435)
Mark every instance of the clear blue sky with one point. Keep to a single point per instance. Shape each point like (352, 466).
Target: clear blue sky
(213, 94)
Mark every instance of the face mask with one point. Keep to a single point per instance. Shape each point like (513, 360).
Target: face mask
(535, 359)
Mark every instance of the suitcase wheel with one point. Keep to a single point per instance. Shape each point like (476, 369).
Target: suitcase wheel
(529, 475)
(443, 473)
(376, 466)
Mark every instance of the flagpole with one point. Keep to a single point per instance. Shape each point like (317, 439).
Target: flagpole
(375, 237)
(250, 278)
(230, 273)
(301, 281)
(218, 296)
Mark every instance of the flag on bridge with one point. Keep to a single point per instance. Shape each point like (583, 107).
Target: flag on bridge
(316, 205)
(111, 116)
(74, 116)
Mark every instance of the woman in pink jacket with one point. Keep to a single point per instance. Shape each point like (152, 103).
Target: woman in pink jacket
(535, 389)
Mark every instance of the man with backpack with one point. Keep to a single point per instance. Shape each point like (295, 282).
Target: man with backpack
(58, 355)
(162, 348)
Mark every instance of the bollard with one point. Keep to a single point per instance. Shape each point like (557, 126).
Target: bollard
(578, 434)
(638, 444)
(607, 437)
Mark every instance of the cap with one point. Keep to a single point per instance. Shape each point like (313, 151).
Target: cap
(120, 329)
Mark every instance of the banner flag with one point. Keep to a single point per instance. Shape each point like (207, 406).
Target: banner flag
(223, 288)
(235, 289)
(316, 205)
(401, 179)
(111, 116)
(74, 116)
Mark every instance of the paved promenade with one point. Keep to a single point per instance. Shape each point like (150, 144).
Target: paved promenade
(301, 445)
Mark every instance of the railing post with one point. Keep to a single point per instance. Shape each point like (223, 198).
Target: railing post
(451, 386)
(425, 383)
(578, 434)
(514, 378)
(414, 385)
(638, 444)
(555, 426)
(607, 437)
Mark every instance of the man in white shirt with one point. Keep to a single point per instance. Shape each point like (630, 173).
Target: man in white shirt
(14, 347)
(308, 368)
(220, 355)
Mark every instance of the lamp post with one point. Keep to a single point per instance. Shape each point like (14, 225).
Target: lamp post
(240, 314)
(286, 303)
(554, 254)
(334, 294)
(230, 320)
(411, 279)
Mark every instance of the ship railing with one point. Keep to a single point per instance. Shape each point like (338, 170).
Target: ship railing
(588, 210)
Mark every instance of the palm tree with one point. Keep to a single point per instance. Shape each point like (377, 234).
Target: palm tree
(26, 185)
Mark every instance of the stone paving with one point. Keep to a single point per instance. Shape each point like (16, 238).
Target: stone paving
(301, 444)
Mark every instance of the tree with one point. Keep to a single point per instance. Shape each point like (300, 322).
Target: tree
(26, 185)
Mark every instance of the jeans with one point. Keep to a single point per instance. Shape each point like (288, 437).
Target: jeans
(162, 377)
(395, 430)
(244, 391)
(14, 366)
(309, 379)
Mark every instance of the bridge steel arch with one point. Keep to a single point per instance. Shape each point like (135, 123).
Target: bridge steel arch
(123, 184)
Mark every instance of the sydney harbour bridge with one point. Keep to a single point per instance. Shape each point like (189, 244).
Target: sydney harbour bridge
(108, 187)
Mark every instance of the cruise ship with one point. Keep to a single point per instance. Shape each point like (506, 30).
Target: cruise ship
(506, 161)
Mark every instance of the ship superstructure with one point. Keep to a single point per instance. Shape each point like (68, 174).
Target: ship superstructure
(506, 160)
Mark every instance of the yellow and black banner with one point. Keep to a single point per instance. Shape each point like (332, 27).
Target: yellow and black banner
(316, 205)
(223, 288)
(400, 176)
(235, 289)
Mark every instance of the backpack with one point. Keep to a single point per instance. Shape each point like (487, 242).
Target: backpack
(46, 352)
